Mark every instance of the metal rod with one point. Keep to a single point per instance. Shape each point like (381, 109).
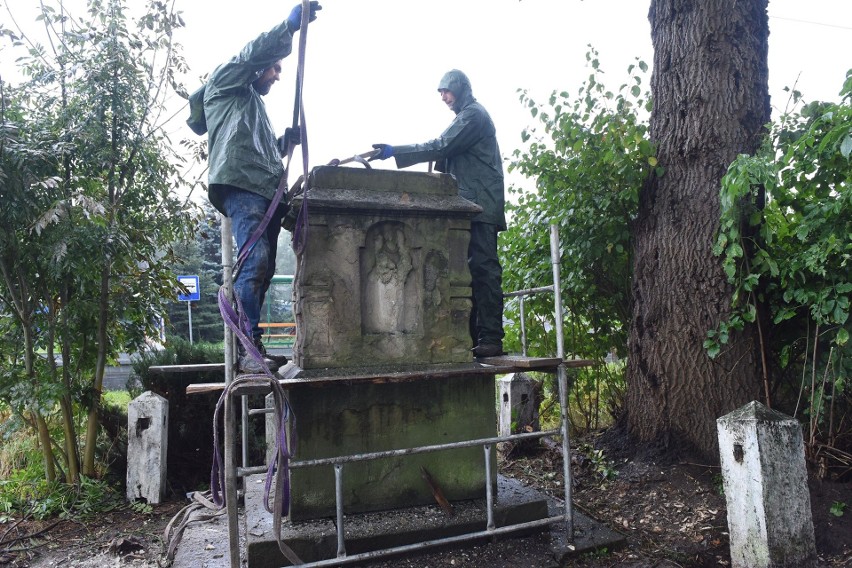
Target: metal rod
(406, 452)
(528, 291)
(230, 422)
(189, 317)
(489, 491)
(227, 275)
(255, 411)
(338, 495)
(423, 449)
(557, 290)
(231, 483)
(244, 430)
(562, 380)
(561, 376)
(430, 543)
(523, 328)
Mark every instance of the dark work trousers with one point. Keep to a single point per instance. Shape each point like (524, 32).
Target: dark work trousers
(486, 317)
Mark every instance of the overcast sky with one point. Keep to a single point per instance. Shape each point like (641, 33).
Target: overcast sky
(373, 66)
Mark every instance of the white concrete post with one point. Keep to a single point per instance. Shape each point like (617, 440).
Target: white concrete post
(147, 444)
(766, 489)
(517, 404)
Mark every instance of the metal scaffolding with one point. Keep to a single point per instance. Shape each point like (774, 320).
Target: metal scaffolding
(233, 473)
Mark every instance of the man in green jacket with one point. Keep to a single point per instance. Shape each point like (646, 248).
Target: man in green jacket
(468, 150)
(245, 163)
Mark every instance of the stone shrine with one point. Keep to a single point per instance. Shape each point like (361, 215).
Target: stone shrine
(382, 300)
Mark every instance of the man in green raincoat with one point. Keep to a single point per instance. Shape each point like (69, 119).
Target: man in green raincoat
(468, 150)
(245, 161)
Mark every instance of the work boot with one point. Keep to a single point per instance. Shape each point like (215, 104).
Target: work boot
(488, 350)
(249, 365)
(276, 360)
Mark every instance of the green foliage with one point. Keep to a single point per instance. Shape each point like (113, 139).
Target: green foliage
(596, 554)
(27, 492)
(141, 507)
(719, 484)
(597, 396)
(589, 157)
(89, 205)
(786, 244)
(116, 399)
(595, 460)
(838, 508)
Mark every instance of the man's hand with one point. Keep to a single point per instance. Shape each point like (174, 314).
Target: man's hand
(294, 20)
(291, 137)
(385, 152)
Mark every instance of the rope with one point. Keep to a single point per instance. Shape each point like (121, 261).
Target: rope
(300, 232)
(279, 466)
(173, 532)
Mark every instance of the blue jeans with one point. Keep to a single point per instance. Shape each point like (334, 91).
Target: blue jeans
(246, 210)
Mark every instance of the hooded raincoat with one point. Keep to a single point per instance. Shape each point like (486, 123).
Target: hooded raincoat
(241, 141)
(468, 150)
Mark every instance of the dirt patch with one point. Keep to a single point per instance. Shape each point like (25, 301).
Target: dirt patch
(671, 511)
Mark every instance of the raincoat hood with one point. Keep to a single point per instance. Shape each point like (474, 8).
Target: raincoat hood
(467, 149)
(459, 85)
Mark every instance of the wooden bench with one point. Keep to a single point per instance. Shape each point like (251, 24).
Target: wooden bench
(288, 337)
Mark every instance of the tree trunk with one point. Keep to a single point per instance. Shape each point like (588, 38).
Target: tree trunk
(46, 447)
(711, 102)
(93, 422)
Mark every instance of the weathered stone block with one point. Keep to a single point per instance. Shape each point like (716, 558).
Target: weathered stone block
(766, 489)
(338, 419)
(383, 278)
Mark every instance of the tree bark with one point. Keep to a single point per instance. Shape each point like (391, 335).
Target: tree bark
(711, 102)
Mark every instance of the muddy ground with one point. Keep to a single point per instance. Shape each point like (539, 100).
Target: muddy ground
(670, 510)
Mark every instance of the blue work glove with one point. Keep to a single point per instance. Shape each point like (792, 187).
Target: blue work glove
(385, 152)
(294, 20)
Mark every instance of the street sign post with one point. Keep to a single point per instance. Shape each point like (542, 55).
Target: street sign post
(193, 295)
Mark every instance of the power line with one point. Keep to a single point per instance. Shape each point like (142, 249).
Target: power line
(812, 23)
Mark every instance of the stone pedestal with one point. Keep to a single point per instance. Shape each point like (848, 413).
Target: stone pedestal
(383, 278)
(147, 444)
(382, 292)
(766, 489)
(431, 406)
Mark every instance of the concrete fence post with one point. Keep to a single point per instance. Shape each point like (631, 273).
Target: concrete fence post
(147, 444)
(518, 405)
(766, 489)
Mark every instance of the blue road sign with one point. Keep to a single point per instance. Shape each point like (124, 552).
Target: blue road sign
(191, 283)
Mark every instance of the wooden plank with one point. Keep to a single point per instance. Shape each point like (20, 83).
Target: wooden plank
(571, 363)
(532, 363)
(291, 375)
(520, 362)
